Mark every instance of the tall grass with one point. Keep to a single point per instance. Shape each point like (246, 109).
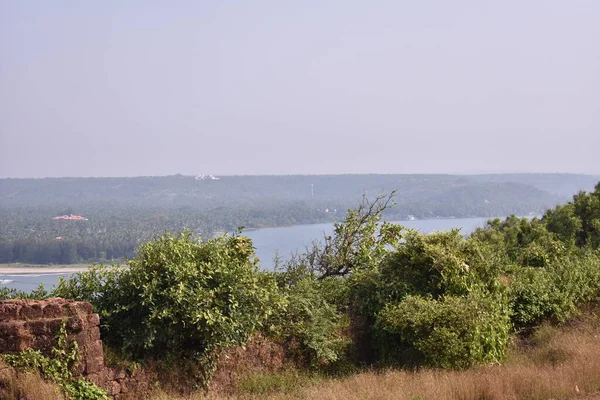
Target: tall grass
(26, 385)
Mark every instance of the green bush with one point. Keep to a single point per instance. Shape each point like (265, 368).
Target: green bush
(556, 291)
(309, 324)
(100, 285)
(433, 265)
(578, 277)
(451, 332)
(533, 296)
(180, 299)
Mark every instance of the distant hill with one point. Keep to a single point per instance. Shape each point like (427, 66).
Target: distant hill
(564, 185)
(321, 190)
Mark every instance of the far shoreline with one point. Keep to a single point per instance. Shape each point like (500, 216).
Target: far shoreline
(393, 221)
(36, 270)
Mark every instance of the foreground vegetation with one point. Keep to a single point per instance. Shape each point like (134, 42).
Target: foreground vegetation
(369, 296)
(552, 363)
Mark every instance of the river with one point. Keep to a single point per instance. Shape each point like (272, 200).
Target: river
(268, 242)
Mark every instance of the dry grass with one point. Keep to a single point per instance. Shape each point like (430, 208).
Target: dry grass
(555, 363)
(16, 386)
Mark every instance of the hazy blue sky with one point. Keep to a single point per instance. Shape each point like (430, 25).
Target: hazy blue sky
(125, 88)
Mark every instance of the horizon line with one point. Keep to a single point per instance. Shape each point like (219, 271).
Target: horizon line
(292, 174)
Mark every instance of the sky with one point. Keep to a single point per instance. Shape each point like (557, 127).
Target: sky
(117, 88)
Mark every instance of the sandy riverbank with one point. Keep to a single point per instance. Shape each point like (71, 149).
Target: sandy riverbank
(39, 270)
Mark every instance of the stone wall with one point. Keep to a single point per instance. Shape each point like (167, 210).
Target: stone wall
(35, 323)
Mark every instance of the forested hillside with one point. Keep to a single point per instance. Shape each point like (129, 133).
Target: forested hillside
(202, 192)
(121, 213)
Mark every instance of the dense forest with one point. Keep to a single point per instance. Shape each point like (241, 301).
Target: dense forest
(122, 213)
(372, 294)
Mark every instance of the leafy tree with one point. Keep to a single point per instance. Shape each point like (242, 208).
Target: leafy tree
(359, 242)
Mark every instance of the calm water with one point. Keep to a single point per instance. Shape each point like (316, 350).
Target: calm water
(28, 282)
(270, 241)
(288, 240)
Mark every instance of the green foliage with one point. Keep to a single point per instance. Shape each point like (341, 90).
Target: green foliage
(100, 285)
(433, 265)
(180, 299)
(317, 284)
(525, 242)
(550, 264)
(309, 324)
(58, 368)
(451, 332)
(357, 243)
(10, 293)
(563, 222)
(533, 296)
(36, 294)
(577, 221)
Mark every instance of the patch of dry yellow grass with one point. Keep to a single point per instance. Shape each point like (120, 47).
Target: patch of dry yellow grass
(559, 364)
(30, 386)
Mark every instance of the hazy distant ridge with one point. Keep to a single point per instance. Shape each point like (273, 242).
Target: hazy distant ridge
(179, 190)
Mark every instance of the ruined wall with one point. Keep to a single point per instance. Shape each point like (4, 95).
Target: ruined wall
(259, 355)
(35, 323)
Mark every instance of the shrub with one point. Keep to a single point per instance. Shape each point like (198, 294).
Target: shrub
(431, 265)
(533, 296)
(100, 285)
(452, 332)
(180, 299)
(554, 292)
(309, 324)
(525, 242)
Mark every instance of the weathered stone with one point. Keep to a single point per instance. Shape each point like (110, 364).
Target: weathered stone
(93, 319)
(94, 364)
(38, 327)
(76, 324)
(100, 378)
(30, 311)
(94, 349)
(24, 342)
(35, 324)
(114, 388)
(44, 343)
(53, 310)
(120, 374)
(81, 308)
(11, 328)
(93, 333)
(9, 311)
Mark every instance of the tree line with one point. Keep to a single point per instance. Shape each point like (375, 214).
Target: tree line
(135, 210)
